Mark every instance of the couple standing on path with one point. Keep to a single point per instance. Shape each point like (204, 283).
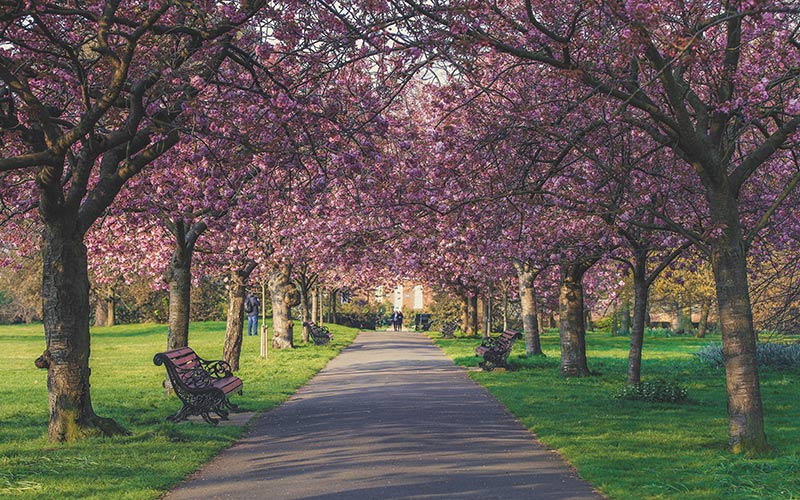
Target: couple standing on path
(397, 320)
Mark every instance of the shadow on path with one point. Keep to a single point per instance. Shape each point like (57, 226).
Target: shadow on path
(390, 418)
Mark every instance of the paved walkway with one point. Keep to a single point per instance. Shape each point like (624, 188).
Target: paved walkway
(390, 418)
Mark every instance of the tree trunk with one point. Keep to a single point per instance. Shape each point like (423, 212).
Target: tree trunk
(614, 322)
(640, 298)
(571, 326)
(473, 313)
(703, 325)
(284, 297)
(111, 303)
(332, 305)
(235, 324)
(527, 297)
(487, 314)
(305, 302)
(464, 313)
(625, 318)
(745, 411)
(686, 319)
(65, 305)
(315, 305)
(100, 311)
(179, 278)
(505, 307)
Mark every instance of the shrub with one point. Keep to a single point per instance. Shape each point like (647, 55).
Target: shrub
(769, 355)
(657, 391)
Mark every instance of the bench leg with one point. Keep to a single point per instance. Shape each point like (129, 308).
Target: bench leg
(182, 415)
(486, 365)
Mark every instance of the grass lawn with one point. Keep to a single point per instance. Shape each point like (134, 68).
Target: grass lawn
(126, 386)
(636, 450)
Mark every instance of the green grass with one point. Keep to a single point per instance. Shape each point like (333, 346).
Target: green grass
(126, 386)
(636, 450)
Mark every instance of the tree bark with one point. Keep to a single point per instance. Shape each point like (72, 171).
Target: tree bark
(473, 314)
(65, 306)
(728, 261)
(464, 313)
(179, 279)
(111, 304)
(315, 305)
(332, 305)
(625, 318)
(235, 322)
(284, 297)
(572, 329)
(527, 297)
(614, 322)
(685, 323)
(641, 294)
(702, 327)
(100, 311)
(306, 283)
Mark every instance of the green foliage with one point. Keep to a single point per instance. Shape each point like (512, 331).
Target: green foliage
(443, 309)
(126, 386)
(774, 355)
(656, 391)
(603, 324)
(638, 450)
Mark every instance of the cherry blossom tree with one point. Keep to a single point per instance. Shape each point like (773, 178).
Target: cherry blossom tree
(93, 94)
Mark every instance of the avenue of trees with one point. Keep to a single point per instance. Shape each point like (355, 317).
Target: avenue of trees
(551, 151)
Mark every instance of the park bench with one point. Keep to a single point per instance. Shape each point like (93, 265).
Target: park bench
(495, 350)
(422, 322)
(320, 335)
(203, 386)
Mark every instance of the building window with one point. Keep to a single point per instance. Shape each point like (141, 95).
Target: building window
(398, 298)
(418, 302)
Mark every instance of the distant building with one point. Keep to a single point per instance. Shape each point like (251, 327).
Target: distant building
(408, 297)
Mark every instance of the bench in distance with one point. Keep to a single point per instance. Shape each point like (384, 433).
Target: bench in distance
(320, 335)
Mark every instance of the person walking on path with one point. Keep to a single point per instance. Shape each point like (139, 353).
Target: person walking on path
(398, 325)
(251, 308)
(391, 417)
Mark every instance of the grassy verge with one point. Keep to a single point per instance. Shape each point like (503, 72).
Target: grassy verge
(635, 450)
(126, 386)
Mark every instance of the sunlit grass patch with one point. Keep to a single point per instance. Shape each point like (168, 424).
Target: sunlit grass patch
(126, 386)
(636, 450)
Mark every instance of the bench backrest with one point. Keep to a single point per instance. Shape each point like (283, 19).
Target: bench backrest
(183, 366)
(506, 340)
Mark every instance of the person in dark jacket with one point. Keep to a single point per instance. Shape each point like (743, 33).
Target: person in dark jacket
(251, 308)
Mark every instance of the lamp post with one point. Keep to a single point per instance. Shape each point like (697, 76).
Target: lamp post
(264, 329)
